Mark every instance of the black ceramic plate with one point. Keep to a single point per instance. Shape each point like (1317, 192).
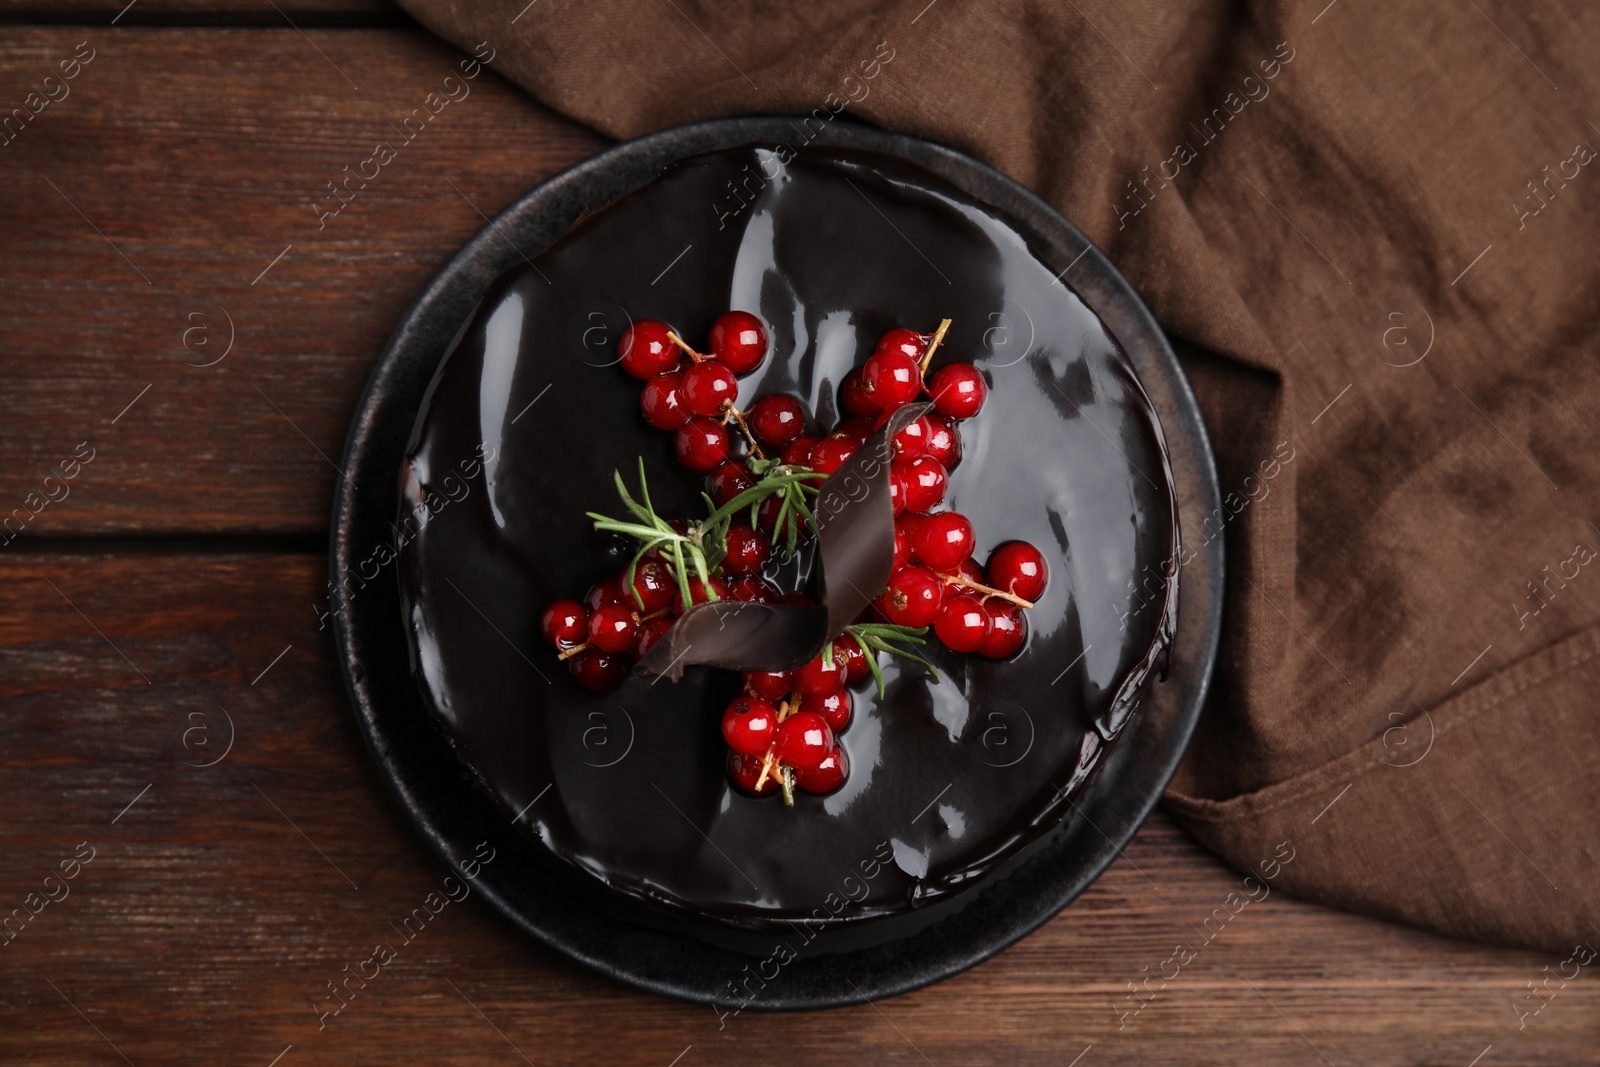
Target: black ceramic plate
(523, 881)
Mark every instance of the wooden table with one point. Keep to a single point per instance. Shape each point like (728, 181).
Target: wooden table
(169, 585)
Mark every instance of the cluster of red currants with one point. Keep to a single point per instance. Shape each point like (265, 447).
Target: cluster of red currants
(782, 730)
(694, 401)
(936, 582)
(600, 638)
(924, 451)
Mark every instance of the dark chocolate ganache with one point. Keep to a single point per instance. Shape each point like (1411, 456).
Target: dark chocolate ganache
(529, 415)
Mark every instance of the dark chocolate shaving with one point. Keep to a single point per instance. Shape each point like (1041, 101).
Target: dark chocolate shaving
(855, 537)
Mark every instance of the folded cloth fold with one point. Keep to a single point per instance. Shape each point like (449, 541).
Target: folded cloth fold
(1371, 231)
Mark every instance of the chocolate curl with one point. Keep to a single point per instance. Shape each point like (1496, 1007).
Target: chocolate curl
(855, 538)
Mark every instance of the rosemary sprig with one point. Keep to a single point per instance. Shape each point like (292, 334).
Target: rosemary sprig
(684, 553)
(699, 550)
(875, 637)
(774, 479)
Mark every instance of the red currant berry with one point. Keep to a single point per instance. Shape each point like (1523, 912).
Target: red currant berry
(605, 591)
(826, 776)
(912, 440)
(891, 379)
(564, 623)
(777, 419)
(944, 540)
(646, 350)
(1019, 569)
(769, 685)
(849, 650)
(739, 341)
(748, 549)
(661, 402)
(745, 771)
(963, 624)
(910, 522)
(834, 708)
(798, 452)
(701, 444)
(897, 493)
(903, 543)
(958, 390)
(804, 740)
(925, 482)
(913, 597)
(707, 386)
(858, 430)
(596, 670)
(701, 593)
(853, 398)
(750, 589)
(612, 628)
(908, 343)
(750, 725)
(728, 481)
(653, 587)
(651, 631)
(944, 441)
(829, 454)
(817, 678)
(1008, 630)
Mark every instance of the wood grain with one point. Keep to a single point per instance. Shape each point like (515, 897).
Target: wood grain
(205, 12)
(219, 904)
(153, 199)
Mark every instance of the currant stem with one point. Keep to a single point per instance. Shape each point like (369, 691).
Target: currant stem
(986, 590)
(568, 653)
(681, 343)
(938, 336)
(768, 767)
(731, 412)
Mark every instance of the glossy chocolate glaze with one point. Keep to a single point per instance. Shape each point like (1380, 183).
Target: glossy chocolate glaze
(947, 780)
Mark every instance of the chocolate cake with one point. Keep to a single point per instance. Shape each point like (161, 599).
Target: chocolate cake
(528, 417)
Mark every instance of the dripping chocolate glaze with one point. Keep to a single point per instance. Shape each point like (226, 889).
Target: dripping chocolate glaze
(947, 779)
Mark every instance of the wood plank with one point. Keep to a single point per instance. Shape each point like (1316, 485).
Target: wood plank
(208, 920)
(302, 13)
(158, 199)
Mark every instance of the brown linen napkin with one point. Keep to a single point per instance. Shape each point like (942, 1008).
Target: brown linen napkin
(1371, 231)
